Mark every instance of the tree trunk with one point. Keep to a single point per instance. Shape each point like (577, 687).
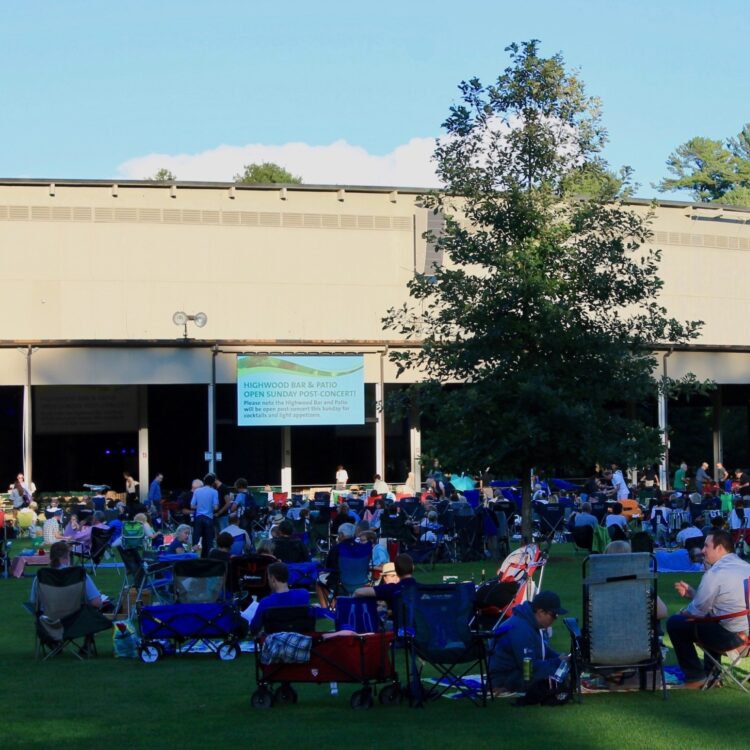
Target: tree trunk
(526, 525)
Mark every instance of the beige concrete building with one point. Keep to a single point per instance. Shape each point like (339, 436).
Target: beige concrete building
(94, 273)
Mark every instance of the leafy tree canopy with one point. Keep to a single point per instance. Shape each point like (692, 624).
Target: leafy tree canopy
(266, 173)
(546, 307)
(163, 175)
(712, 170)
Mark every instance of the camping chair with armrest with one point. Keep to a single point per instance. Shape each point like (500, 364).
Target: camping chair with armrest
(63, 617)
(95, 550)
(735, 654)
(354, 567)
(551, 521)
(583, 538)
(436, 624)
(144, 576)
(614, 587)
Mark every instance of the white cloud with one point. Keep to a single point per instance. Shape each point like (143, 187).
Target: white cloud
(339, 163)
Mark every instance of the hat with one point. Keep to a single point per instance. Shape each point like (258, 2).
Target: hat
(389, 567)
(53, 511)
(549, 601)
(278, 518)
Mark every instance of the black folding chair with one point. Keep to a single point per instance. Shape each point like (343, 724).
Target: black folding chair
(96, 549)
(63, 617)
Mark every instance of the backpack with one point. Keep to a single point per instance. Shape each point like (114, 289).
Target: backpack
(133, 535)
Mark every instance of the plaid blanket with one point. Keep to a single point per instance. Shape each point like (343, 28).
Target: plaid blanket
(286, 648)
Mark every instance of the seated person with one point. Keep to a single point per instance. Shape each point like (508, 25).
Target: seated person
(148, 530)
(223, 549)
(525, 636)
(287, 548)
(738, 517)
(584, 517)
(721, 592)
(616, 519)
(80, 534)
(391, 586)
(660, 515)
(181, 541)
(281, 595)
(241, 542)
(267, 547)
(51, 529)
(688, 531)
(379, 553)
(328, 580)
(343, 516)
(59, 557)
(427, 528)
(717, 523)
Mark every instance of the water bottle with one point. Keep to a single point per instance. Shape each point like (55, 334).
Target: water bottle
(561, 672)
(527, 665)
(334, 688)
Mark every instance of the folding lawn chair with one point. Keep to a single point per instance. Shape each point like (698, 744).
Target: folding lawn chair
(354, 567)
(144, 576)
(436, 623)
(619, 630)
(735, 655)
(96, 549)
(551, 520)
(248, 575)
(583, 538)
(63, 617)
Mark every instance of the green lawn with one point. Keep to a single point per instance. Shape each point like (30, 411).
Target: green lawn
(199, 702)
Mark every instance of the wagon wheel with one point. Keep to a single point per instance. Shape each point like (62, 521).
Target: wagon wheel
(228, 651)
(390, 695)
(150, 653)
(285, 694)
(261, 698)
(361, 699)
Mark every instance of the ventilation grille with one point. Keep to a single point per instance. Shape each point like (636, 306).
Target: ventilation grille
(196, 217)
(684, 239)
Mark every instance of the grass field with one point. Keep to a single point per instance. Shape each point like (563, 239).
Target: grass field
(198, 702)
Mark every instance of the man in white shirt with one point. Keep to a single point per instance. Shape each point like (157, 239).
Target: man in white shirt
(706, 619)
(618, 482)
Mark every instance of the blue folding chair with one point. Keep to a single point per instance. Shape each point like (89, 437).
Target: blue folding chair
(354, 567)
(435, 622)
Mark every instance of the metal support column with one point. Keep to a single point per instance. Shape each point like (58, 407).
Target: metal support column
(717, 442)
(143, 464)
(286, 460)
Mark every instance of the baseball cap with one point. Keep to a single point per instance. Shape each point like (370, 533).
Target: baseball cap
(549, 601)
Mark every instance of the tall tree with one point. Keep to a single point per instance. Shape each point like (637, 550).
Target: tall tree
(545, 309)
(266, 173)
(163, 175)
(712, 170)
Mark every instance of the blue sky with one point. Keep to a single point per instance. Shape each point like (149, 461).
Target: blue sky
(340, 91)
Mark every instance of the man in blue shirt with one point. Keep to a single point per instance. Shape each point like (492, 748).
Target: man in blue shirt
(154, 492)
(205, 502)
(281, 595)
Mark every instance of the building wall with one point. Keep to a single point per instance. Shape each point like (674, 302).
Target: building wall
(269, 266)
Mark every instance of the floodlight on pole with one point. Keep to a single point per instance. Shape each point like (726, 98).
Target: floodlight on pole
(181, 318)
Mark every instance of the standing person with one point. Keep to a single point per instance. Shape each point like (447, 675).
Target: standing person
(225, 503)
(722, 475)
(205, 503)
(380, 486)
(678, 484)
(22, 492)
(342, 477)
(618, 482)
(130, 491)
(702, 478)
(154, 493)
(721, 592)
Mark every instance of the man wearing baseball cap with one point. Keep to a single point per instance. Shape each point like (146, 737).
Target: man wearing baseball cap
(521, 659)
